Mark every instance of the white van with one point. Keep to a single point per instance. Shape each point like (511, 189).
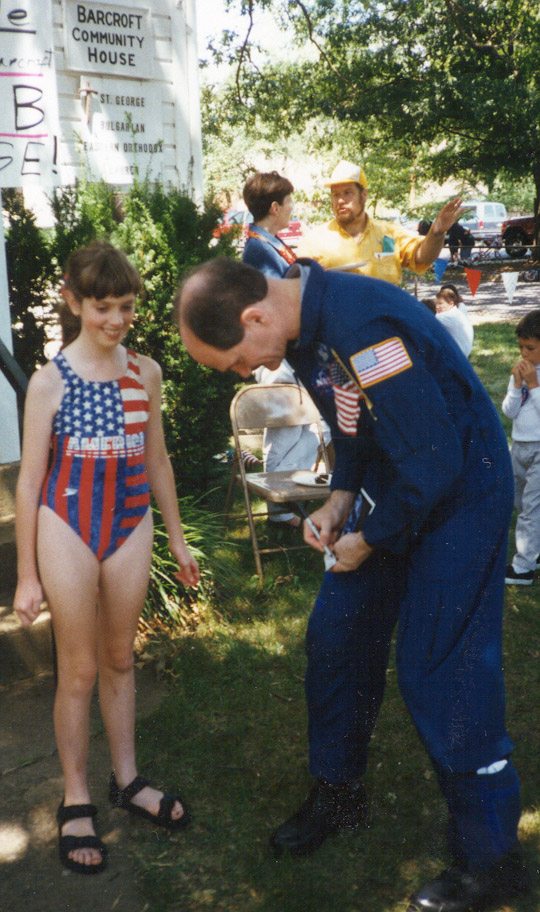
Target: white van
(484, 219)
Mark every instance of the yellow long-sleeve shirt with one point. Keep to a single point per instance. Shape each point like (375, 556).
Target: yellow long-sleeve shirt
(332, 246)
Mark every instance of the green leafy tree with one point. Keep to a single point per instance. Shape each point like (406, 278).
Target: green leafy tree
(460, 76)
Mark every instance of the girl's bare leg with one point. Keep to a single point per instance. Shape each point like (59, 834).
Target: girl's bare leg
(122, 591)
(69, 574)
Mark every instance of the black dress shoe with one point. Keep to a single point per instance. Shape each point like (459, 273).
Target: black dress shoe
(458, 889)
(328, 809)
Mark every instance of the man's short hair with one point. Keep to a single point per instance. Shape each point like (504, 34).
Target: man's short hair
(264, 188)
(212, 307)
(529, 326)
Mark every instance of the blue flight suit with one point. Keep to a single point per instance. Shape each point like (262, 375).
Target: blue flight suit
(427, 449)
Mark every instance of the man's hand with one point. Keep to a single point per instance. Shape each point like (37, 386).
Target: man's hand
(351, 551)
(447, 216)
(329, 520)
(431, 246)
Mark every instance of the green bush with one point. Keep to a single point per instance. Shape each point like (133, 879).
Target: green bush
(28, 267)
(82, 212)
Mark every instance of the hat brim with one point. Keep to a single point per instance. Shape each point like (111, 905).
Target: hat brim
(346, 180)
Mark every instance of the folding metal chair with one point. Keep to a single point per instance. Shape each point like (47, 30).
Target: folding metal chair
(277, 405)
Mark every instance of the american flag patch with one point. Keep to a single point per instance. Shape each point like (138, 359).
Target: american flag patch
(379, 362)
(346, 399)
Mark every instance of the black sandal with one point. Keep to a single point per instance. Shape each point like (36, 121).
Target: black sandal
(121, 798)
(69, 843)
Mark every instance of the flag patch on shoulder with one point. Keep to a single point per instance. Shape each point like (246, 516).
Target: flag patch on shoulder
(381, 361)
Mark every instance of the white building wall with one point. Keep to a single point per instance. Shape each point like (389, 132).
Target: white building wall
(173, 118)
(175, 76)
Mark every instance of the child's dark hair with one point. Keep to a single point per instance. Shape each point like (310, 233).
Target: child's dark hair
(448, 296)
(529, 326)
(430, 303)
(96, 271)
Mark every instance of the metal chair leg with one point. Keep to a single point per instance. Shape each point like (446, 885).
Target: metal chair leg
(253, 533)
(230, 489)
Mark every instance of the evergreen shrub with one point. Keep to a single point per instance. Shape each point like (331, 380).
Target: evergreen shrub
(28, 267)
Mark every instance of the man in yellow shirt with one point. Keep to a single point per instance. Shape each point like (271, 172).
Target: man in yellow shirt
(352, 237)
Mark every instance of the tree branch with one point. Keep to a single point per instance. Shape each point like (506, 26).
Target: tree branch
(243, 53)
(456, 11)
(323, 54)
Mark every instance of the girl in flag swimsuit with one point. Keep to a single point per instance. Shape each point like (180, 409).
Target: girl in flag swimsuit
(84, 533)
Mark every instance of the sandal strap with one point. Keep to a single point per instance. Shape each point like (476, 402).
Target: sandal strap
(75, 812)
(127, 793)
(166, 807)
(70, 843)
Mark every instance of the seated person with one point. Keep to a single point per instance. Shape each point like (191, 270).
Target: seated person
(455, 318)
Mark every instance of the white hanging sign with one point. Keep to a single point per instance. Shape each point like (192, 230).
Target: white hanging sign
(28, 98)
(111, 40)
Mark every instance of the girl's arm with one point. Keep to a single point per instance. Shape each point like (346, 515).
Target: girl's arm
(43, 397)
(161, 477)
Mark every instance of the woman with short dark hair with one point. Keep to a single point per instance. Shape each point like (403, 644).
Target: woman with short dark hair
(268, 197)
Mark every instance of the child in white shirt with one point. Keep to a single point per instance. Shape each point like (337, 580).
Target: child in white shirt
(522, 404)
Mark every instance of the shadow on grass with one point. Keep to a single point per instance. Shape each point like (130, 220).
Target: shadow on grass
(233, 735)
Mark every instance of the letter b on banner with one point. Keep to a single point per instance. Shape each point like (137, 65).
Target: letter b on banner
(27, 113)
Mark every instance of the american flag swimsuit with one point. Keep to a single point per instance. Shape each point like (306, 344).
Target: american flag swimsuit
(97, 480)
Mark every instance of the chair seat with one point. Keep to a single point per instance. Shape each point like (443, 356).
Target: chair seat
(255, 409)
(279, 487)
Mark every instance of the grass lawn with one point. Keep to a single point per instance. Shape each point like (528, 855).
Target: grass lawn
(232, 736)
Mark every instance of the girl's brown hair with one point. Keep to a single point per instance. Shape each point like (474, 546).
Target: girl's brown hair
(96, 271)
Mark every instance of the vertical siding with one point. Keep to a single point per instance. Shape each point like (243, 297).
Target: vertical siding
(176, 76)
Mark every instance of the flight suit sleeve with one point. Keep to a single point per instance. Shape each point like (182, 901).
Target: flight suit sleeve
(418, 454)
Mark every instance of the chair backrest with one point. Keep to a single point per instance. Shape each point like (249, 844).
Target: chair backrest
(272, 406)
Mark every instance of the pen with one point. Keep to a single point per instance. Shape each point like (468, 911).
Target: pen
(329, 557)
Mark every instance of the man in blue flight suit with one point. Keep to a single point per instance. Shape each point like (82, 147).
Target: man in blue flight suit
(416, 436)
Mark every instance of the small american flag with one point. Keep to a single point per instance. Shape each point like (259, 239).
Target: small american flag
(379, 362)
(346, 399)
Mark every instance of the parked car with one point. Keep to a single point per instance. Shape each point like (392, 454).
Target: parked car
(233, 219)
(518, 235)
(240, 220)
(484, 219)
